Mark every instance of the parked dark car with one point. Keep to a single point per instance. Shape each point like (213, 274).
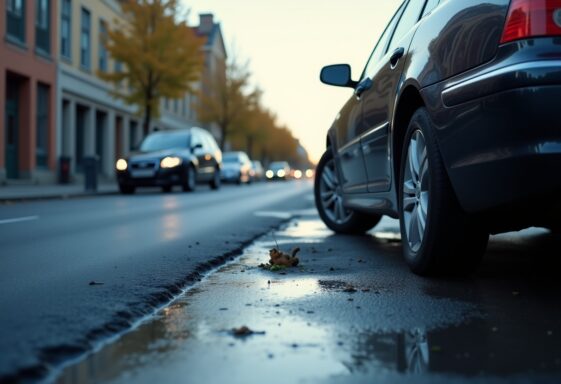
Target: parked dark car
(278, 170)
(453, 127)
(168, 158)
(236, 167)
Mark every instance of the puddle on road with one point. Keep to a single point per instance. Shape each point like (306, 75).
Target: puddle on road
(190, 340)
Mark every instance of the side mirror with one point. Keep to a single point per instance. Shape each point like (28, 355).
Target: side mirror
(338, 75)
(196, 146)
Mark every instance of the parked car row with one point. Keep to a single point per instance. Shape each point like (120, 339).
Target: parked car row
(186, 158)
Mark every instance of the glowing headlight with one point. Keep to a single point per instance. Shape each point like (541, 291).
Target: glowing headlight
(121, 165)
(309, 173)
(297, 174)
(170, 162)
(269, 174)
(281, 173)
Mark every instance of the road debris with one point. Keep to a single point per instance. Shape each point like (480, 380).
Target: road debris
(95, 283)
(280, 260)
(245, 331)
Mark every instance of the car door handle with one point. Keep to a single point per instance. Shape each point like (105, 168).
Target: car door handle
(396, 55)
(363, 86)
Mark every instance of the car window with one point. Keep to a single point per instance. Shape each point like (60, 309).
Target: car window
(431, 4)
(409, 18)
(380, 48)
(161, 141)
(196, 139)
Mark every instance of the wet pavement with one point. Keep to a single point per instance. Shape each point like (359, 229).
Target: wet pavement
(350, 312)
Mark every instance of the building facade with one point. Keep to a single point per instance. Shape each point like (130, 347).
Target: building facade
(28, 52)
(91, 123)
(56, 111)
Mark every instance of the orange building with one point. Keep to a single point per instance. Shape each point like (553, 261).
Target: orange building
(28, 52)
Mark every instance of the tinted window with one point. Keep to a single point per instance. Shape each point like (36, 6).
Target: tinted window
(431, 4)
(161, 141)
(408, 20)
(196, 139)
(380, 48)
(279, 165)
(232, 157)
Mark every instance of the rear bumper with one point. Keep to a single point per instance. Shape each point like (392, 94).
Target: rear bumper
(500, 137)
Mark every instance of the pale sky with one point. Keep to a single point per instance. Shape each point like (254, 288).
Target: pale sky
(287, 43)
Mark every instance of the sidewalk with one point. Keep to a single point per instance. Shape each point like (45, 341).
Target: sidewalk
(53, 191)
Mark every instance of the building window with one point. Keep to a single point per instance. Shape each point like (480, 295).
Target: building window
(85, 39)
(15, 17)
(65, 28)
(102, 49)
(118, 66)
(42, 145)
(42, 30)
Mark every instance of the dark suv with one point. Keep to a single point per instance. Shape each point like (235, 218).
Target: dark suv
(454, 127)
(168, 158)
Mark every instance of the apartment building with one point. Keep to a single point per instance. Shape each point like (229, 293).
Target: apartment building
(53, 103)
(90, 121)
(28, 52)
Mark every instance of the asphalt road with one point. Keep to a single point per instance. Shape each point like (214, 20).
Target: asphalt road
(73, 272)
(351, 312)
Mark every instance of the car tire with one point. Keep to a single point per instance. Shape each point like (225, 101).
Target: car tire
(438, 237)
(329, 201)
(190, 179)
(127, 189)
(167, 188)
(215, 182)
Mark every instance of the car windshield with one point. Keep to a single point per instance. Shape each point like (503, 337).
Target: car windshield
(160, 141)
(278, 165)
(230, 158)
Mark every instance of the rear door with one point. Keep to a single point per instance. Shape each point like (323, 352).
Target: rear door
(379, 83)
(349, 125)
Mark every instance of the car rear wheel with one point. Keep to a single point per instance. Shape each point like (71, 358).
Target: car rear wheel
(438, 236)
(329, 201)
(190, 179)
(127, 189)
(215, 182)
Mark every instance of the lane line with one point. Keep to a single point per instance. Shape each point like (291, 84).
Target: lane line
(18, 219)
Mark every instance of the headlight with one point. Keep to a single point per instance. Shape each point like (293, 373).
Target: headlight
(281, 173)
(297, 174)
(269, 174)
(121, 165)
(170, 162)
(309, 173)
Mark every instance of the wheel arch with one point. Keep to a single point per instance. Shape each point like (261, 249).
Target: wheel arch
(409, 101)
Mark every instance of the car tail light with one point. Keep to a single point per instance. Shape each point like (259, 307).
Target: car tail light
(532, 18)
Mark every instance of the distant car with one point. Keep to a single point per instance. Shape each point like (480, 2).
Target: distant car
(168, 158)
(236, 167)
(279, 170)
(257, 171)
(453, 127)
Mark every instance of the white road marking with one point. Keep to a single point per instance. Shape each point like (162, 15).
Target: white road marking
(278, 215)
(18, 219)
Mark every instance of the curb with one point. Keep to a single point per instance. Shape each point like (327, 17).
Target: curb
(55, 196)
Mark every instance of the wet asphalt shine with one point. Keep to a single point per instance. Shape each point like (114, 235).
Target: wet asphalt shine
(351, 312)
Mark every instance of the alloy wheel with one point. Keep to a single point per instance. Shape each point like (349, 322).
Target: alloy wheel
(331, 194)
(416, 191)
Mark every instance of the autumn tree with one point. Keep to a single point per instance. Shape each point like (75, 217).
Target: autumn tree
(226, 100)
(162, 56)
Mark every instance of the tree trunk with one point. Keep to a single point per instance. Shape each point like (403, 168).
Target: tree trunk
(147, 119)
(249, 146)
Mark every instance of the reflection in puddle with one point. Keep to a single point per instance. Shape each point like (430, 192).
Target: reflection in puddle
(293, 289)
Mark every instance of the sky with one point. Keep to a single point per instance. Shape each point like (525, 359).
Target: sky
(287, 42)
